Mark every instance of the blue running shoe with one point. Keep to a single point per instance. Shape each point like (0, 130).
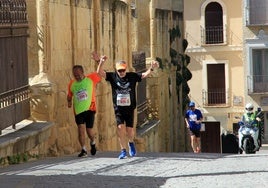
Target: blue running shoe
(123, 154)
(132, 150)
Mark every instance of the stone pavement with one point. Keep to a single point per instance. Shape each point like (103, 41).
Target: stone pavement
(149, 170)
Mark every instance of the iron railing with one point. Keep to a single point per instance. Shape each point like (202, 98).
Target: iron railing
(213, 35)
(140, 65)
(257, 84)
(14, 107)
(13, 12)
(14, 92)
(215, 97)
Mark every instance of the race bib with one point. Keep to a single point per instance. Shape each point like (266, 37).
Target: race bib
(123, 100)
(81, 95)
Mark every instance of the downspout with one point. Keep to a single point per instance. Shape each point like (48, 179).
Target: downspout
(96, 22)
(152, 29)
(73, 16)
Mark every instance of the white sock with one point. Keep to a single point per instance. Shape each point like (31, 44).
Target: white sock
(84, 148)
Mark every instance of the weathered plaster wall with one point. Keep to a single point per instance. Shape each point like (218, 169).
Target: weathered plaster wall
(64, 33)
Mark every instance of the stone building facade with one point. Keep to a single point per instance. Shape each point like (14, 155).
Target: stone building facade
(255, 37)
(63, 33)
(213, 30)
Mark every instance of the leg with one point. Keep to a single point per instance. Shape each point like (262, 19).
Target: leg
(198, 144)
(131, 145)
(121, 133)
(90, 132)
(81, 135)
(193, 143)
(79, 119)
(198, 141)
(91, 135)
(81, 138)
(130, 134)
(255, 139)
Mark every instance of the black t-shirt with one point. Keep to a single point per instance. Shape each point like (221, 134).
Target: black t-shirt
(124, 89)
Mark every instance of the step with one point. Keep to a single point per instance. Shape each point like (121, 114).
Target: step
(24, 139)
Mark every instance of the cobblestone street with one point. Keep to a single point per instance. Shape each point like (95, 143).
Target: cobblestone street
(146, 170)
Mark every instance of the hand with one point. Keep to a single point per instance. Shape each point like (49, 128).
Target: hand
(154, 64)
(198, 122)
(95, 56)
(69, 104)
(103, 58)
(258, 119)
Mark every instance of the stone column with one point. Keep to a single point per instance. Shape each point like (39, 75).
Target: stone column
(42, 90)
(43, 35)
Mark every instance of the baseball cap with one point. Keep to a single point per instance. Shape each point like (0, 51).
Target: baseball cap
(121, 65)
(191, 104)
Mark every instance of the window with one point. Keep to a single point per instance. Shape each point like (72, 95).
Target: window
(215, 91)
(260, 70)
(257, 12)
(257, 58)
(213, 22)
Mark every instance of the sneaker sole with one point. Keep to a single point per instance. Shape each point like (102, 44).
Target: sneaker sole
(93, 153)
(132, 155)
(122, 157)
(82, 156)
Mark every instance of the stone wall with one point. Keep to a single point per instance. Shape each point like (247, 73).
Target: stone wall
(64, 33)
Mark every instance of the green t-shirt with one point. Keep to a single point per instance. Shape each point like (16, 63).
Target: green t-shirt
(82, 92)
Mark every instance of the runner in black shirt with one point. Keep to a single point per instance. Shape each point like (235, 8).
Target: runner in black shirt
(123, 85)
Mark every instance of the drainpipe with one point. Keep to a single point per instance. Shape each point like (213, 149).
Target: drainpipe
(73, 16)
(152, 29)
(96, 23)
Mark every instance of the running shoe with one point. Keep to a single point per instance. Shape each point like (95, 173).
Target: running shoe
(83, 153)
(132, 150)
(93, 149)
(123, 154)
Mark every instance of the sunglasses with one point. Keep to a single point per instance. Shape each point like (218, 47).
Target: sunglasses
(121, 70)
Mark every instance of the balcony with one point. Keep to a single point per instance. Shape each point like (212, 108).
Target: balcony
(257, 84)
(215, 98)
(213, 35)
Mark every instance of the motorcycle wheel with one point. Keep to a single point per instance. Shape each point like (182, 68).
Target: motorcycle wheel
(246, 145)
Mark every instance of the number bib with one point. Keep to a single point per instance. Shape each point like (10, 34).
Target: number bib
(81, 95)
(123, 99)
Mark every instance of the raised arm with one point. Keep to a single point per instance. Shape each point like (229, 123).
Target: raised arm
(100, 70)
(100, 60)
(154, 64)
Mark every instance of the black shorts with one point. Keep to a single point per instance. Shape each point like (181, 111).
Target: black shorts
(124, 116)
(195, 133)
(86, 117)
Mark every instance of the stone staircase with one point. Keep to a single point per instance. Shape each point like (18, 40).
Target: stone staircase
(14, 143)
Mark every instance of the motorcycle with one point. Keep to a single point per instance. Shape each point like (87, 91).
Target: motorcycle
(247, 133)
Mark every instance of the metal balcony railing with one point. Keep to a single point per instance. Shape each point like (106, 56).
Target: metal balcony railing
(213, 35)
(13, 12)
(215, 97)
(257, 84)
